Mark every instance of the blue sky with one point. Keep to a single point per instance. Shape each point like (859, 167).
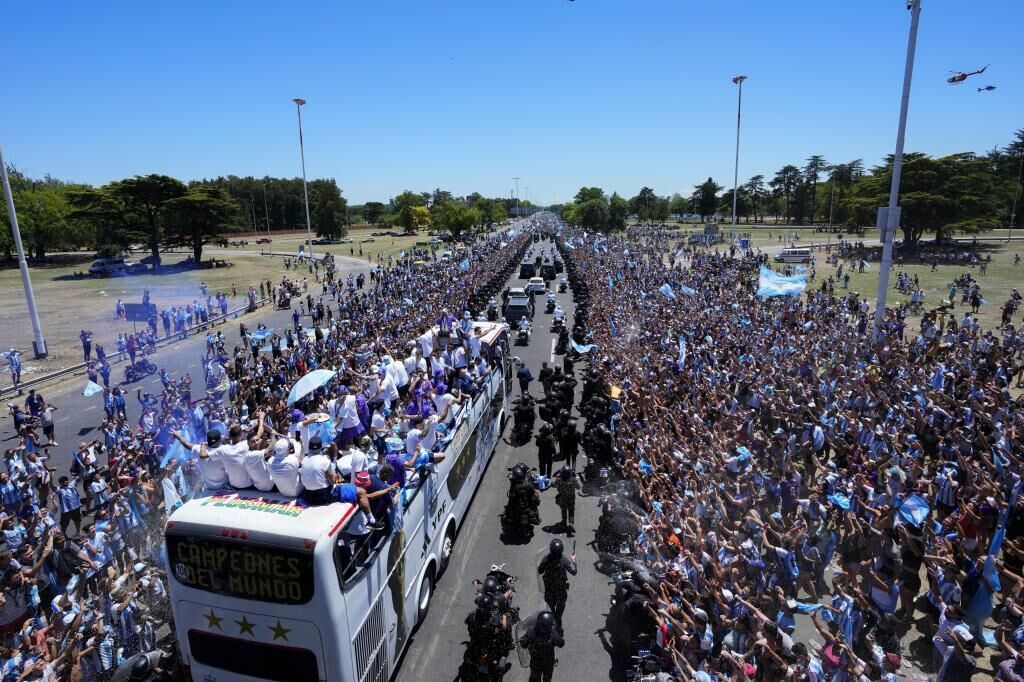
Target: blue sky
(465, 95)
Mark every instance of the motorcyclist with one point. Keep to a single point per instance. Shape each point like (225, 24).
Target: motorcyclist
(541, 640)
(554, 570)
(559, 315)
(522, 492)
(566, 486)
(524, 324)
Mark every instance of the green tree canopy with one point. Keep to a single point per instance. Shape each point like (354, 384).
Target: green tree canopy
(618, 209)
(328, 213)
(457, 217)
(407, 217)
(199, 217)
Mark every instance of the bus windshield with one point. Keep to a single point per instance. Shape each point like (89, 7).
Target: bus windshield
(242, 569)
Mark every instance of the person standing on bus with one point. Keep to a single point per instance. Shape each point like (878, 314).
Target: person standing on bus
(284, 466)
(315, 473)
(212, 470)
(232, 457)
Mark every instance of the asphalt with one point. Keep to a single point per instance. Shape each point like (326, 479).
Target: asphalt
(436, 649)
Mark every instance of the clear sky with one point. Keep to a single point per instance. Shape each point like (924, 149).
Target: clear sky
(466, 94)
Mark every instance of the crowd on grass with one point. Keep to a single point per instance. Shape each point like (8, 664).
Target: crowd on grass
(795, 475)
(82, 579)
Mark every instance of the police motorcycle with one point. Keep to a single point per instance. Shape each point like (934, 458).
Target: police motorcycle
(490, 627)
(520, 514)
(552, 303)
(563, 284)
(523, 332)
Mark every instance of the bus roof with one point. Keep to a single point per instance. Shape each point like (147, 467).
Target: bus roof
(252, 510)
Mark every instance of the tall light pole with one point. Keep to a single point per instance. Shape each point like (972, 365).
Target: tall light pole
(39, 343)
(305, 190)
(831, 200)
(738, 80)
(519, 213)
(889, 218)
(527, 190)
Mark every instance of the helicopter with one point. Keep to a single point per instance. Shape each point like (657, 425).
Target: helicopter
(987, 88)
(960, 76)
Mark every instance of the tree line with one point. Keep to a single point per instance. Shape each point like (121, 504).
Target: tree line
(964, 192)
(159, 212)
(412, 211)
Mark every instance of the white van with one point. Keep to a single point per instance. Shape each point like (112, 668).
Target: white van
(104, 267)
(793, 256)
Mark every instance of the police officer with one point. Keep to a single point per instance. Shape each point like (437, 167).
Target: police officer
(546, 449)
(542, 640)
(554, 570)
(569, 442)
(566, 485)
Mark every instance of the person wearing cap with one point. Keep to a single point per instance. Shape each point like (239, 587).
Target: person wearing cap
(233, 457)
(316, 474)
(445, 327)
(284, 465)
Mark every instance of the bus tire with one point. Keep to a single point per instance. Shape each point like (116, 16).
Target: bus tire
(425, 594)
(447, 547)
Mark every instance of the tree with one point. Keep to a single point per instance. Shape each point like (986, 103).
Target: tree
(618, 209)
(755, 190)
(457, 217)
(956, 193)
(199, 217)
(593, 214)
(408, 218)
(587, 193)
(105, 217)
(785, 182)
(329, 206)
(705, 198)
(678, 205)
(642, 203)
(144, 197)
(490, 211)
(743, 203)
(815, 166)
(372, 211)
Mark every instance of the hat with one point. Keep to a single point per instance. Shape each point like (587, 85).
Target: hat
(297, 415)
(139, 567)
(727, 595)
(467, 315)
(342, 390)
(362, 479)
(316, 444)
(212, 437)
(281, 447)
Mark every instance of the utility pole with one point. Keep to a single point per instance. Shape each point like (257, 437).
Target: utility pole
(889, 217)
(305, 190)
(38, 343)
(738, 80)
(265, 211)
(519, 213)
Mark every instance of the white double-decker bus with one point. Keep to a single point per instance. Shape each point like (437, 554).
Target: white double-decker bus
(264, 587)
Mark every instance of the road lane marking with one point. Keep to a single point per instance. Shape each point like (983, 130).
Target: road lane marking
(553, 341)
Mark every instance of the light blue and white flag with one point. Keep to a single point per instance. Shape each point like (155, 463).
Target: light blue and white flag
(772, 283)
(666, 289)
(582, 349)
(92, 388)
(464, 265)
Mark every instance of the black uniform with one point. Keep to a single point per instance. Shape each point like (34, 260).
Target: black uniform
(555, 570)
(546, 450)
(542, 645)
(565, 498)
(569, 443)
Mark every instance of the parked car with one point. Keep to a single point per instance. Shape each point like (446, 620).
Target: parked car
(378, 234)
(263, 240)
(436, 241)
(106, 267)
(345, 240)
(369, 239)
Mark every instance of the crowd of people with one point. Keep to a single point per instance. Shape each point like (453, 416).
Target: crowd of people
(82, 583)
(791, 473)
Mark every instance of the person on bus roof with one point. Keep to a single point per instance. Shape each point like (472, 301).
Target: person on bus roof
(284, 466)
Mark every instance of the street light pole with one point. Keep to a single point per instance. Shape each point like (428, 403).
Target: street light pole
(305, 190)
(738, 80)
(39, 343)
(889, 218)
(519, 214)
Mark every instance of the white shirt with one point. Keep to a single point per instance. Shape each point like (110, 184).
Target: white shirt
(232, 458)
(459, 357)
(378, 421)
(396, 370)
(388, 389)
(284, 471)
(474, 346)
(348, 412)
(214, 475)
(256, 467)
(412, 441)
(443, 406)
(313, 472)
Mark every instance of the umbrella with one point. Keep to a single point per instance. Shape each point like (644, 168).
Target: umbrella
(309, 383)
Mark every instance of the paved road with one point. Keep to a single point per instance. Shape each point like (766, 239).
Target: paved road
(437, 648)
(78, 417)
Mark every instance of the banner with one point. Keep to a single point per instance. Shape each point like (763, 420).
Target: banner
(582, 349)
(772, 283)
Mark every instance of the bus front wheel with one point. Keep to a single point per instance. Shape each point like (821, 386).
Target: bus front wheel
(426, 592)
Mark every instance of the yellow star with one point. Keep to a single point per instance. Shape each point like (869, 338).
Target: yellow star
(279, 631)
(213, 620)
(245, 627)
